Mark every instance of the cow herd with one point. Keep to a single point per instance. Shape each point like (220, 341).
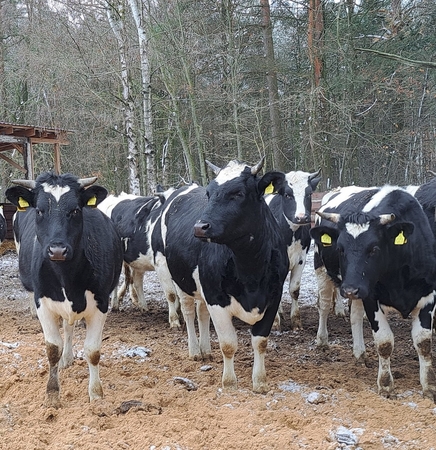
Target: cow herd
(224, 251)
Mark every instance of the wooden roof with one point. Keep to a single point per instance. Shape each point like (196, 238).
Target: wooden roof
(23, 137)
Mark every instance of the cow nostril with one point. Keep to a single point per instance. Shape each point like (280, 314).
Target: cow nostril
(57, 253)
(350, 292)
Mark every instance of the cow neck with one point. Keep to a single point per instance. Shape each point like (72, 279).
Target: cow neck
(251, 253)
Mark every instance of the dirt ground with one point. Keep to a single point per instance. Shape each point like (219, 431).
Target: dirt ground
(318, 400)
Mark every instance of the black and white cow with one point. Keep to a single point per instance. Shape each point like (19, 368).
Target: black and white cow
(134, 218)
(225, 252)
(293, 213)
(70, 257)
(3, 228)
(376, 244)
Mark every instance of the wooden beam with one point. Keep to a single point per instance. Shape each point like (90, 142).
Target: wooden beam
(11, 139)
(59, 140)
(13, 163)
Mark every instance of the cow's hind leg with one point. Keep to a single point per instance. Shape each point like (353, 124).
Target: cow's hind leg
(53, 342)
(294, 291)
(203, 318)
(138, 288)
(188, 310)
(92, 347)
(357, 312)
(422, 318)
(67, 353)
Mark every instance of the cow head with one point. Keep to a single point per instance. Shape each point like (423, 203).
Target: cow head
(366, 248)
(57, 201)
(235, 202)
(297, 196)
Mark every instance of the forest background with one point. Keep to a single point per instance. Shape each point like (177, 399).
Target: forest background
(151, 89)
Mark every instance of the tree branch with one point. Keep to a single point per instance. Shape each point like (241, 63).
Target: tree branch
(407, 61)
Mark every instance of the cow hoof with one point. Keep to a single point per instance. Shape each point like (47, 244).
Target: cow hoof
(431, 394)
(261, 388)
(53, 400)
(296, 324)
(175, 324)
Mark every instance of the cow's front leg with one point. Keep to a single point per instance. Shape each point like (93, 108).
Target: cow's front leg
(228, 340)
(294, 291)
(357, 312)
(422, 320)
(92, 351)
(53, 343)
(326, 292)
(384, 342)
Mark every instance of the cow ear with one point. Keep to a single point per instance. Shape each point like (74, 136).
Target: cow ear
(273, 181)
(324, 236)
(93, 196)
(314, 183)
(400, 232)
(21, 197)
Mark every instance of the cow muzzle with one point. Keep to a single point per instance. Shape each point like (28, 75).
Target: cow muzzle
(57, 253)
(200, 229)
(302, 219)
(350, 292)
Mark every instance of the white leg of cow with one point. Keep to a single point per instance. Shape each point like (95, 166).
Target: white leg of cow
(422, 338)
(53, 343)
(188, 310)
(294, 291)
(384, 341)
(228, 340)
(326, 293)
(32, 305)
(171, 292)
(173, 309)
(357, 312)
(339, 305)
(138, 285)
(92, 348)
(203, 318)
(259, 344)
(67, 353)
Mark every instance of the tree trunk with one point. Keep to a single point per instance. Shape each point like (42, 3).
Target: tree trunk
(115, 14)
(137, 8)
(273, 92)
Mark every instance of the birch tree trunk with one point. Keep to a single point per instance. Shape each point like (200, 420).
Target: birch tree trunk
(137, 8)
(115, 13)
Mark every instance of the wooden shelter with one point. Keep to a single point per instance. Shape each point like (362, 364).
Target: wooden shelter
(22, 138)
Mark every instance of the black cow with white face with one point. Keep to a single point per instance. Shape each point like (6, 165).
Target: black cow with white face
(376, 244)
(70, 257)
(224, 251)
(293, 213)
(3, 228)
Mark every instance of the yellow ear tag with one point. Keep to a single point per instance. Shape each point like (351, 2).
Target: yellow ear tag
(400, 239)
(269, 189)
(22, 204)
(326, 240)
(92, 201)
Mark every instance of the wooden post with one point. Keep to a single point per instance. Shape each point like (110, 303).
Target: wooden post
(57, 158)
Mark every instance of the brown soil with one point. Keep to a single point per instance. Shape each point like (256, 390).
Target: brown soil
(318, 400)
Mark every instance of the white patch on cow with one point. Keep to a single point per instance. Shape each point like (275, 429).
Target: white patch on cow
(64, 309)
(412, 189)
(109, 203)
(235, 309)
(168, 205)
(344, 194)
(231, 171)
(295, 252)
(356, 229)
(378, 197)
(56, 191)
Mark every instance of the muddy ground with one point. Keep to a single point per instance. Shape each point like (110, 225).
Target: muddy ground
(318, 399)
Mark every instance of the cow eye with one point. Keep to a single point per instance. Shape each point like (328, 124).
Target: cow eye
(74, 212)
(374, 250)
(38, 212)
(237, 194)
